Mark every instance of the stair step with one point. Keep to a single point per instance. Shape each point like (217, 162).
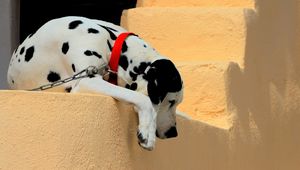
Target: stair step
(205, 92)
(177, 3)
(191, 34)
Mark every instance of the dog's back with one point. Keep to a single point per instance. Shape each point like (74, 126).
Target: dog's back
(58, 49)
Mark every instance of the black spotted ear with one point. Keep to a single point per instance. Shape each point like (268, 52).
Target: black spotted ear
(153, 92)
(151, 74)
(154, 88)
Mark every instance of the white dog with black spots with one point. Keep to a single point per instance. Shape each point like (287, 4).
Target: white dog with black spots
(63, 47)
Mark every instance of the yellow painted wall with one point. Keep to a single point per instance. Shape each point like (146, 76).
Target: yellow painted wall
(258, 127)
(191, 33)
(209, 3)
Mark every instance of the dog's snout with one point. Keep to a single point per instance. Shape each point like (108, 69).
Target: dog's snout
(172, 132)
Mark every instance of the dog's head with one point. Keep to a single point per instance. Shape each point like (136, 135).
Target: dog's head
(165, 91)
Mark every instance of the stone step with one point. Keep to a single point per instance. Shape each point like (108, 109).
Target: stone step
(205, 92)
(193, 3)
(45, 130)
(191, 34)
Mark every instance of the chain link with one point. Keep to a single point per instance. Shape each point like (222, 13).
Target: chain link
(88, 72)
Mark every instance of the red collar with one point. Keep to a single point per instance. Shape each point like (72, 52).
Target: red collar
(115, 57)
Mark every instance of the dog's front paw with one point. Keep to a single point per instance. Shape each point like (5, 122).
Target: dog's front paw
(146, 138)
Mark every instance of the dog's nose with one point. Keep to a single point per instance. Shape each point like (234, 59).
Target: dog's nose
(172, 132)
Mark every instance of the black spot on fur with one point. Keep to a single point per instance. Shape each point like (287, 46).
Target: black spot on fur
(111, 29)
(172, 102)
(19, 60)
(29, 53)
(111, 34)
(68, 89)
(73, 68)
(130, 61)
(123, 62)
(135, 69)
(91, 76)
(124, 47)
(109, 46)
(22, 50)
(133, 75)
(74, 24)
(65, 47)
(96, 54)
(53, 76)
(172, 132)
(162, 78)
(88, 53)
(133, 86)
(108, 28)
(93, 31)
(141, 68)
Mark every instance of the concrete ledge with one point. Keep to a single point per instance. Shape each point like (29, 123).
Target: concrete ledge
(41, 130)
(56, 131)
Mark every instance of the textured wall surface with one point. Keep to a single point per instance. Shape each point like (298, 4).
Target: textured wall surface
(209, 3)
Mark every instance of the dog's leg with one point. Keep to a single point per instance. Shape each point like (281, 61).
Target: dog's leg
(147, 115)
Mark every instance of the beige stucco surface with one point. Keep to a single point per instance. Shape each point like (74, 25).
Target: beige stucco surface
(191, 33)
(245, 110)
(209, 3)
(83, 131)
(204, 92)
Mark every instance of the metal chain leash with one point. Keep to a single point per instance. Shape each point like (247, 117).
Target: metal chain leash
(88, 72)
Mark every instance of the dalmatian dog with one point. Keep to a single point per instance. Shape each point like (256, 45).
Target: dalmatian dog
(64, 46)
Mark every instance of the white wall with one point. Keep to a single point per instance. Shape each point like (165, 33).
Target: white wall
(9, 34)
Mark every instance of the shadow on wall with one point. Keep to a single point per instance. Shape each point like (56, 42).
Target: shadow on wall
(265, 95)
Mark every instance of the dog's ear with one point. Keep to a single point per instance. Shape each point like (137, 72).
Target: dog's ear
(151, 74)
(156, 90)
(153, 89)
